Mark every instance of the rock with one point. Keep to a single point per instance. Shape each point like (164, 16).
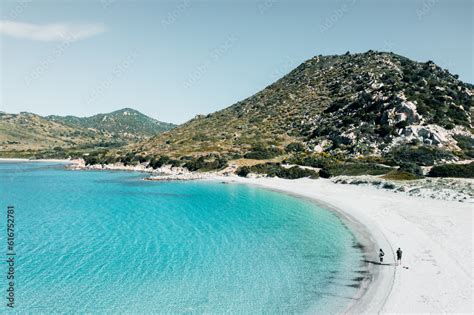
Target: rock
(406, 111)
(424, 133)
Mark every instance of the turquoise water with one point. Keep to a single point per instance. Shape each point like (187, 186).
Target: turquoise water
(111, 242)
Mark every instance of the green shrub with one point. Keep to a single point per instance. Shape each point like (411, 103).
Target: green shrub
(159, 162)
(259, 152)
(311, 160)
(276, 170)
(208, 163)
(324, 173)
(411, 168)
(295, 147)
(421, 155)
(453, 170)
(243, 171)
(356, 169)
(466, 144)
(400, 175)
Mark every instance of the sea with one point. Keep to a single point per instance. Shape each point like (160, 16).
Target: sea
(110, 242)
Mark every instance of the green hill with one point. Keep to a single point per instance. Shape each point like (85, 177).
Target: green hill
(127, 123)
(31, 135)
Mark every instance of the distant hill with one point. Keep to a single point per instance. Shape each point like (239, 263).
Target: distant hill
(127, 123)
(353, 104)
(26, 134)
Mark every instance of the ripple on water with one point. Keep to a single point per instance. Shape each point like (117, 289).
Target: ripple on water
(109, 242)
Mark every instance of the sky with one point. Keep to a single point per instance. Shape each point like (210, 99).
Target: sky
(173, 60)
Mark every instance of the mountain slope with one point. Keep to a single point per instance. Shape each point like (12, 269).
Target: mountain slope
(353, 104)
(25, 134)
(27, 131)
(125, 122)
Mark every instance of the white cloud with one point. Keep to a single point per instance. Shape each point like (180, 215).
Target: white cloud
(50, 32)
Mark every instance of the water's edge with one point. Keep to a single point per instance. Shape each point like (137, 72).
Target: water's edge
(369, 297)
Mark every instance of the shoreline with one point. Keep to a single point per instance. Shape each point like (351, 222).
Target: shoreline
(376, 286)
(42, 160)
(436, 273)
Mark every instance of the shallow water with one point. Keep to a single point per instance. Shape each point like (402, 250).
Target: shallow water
(111, 242)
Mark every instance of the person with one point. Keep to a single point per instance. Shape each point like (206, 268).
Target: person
(381, 254)
(399, 256)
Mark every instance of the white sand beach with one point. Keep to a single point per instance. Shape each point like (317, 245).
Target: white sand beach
(436, 237)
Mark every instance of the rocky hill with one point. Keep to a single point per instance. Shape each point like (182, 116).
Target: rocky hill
(27, 134)
(353, 105)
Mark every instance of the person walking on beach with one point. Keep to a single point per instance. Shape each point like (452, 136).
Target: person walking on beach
(381, 254)
(399, 256)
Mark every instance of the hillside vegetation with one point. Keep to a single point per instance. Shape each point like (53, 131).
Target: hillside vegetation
(31, 135)
(126, 123)
(354, 105)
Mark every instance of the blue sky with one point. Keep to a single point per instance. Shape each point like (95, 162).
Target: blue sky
(173, 60)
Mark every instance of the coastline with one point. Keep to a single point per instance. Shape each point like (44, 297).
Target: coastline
(41, 160)
(436, 271)
(436, 274)
(376, 285)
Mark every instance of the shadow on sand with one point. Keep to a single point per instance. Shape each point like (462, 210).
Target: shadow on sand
(377, 263)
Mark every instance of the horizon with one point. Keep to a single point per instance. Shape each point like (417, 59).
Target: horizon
(175, 60)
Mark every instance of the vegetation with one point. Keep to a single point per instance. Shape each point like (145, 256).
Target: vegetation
(206, 163)
(356, 169)
(420, 155)
(466, 144)
(30, 135)
(316, 160)
(260, 152)
(276, 170)
(123, 122)
(351, 105)
(453, 170)
(295, 147)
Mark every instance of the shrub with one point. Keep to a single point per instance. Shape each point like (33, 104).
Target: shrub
(206, 163)
(91, 160)
(259, 152)
(243, 171)
(400, 175)
(411, 168)
(276, 170)
(453, 170)
(356, 169)
(174, 163)
(295, 147)
(466, 143)
(157, 163)
(422, 155)
(318, 161)
(324, 173)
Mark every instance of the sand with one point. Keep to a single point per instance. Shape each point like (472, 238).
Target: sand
(436, 237)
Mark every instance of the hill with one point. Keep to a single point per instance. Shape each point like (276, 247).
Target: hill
(126, 123)
(353, 105)
(27, 134)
